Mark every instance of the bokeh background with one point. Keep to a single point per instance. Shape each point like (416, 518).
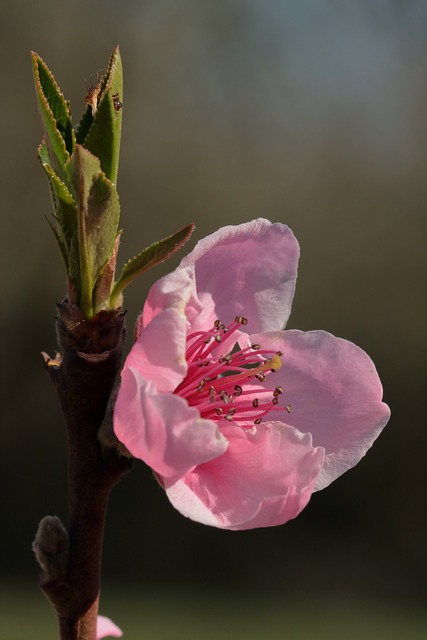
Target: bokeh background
(310, 113)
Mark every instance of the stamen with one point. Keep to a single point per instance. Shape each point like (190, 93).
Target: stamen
(223, 393)
(202, 383)
(224, 397)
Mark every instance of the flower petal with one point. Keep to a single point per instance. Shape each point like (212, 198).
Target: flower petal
(162, 429)
(159, 350)
(173, 290)
(105, 627)
(334, 392)
(248, 270)
(265, 478)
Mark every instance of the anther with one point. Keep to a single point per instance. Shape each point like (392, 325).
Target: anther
(241, 320)
(288, 408)
(218, 337)
(261, 377)
(277, 391)
(255, 347)
(238, 390)
(276, 362)
(275, 400)
(258, 421)
(255, 402)
(224, 396)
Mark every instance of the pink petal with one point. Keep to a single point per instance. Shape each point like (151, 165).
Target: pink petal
(248, 270)
(172, 290)
(105, 627)
(159, 351)
(265, 478)
(334, 392)
(162, 429)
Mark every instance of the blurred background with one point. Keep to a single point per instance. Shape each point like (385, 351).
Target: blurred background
(308, 113)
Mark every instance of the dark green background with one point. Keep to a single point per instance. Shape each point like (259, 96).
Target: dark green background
(309, 113)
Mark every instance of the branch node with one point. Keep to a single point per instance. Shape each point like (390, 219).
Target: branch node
(51, 547)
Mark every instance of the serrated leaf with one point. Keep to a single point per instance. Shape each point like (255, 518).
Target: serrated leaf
(62, 248)
(102, 223)
(103, 137)
(97, 216)
(55, 115)
(65, 206)
(43, 153)
(84, 125)
(148, 258)
(74, 263)
(101, 298)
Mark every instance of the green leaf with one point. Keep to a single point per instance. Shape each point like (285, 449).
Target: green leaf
(98, 212)
(101, 298)
(43, 153)
(102, 223)
(62, 248)
(103, 134)
(55, 115)
(84, 126)
(65, 206)
(148, 258)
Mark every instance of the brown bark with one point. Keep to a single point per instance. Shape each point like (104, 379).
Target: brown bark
(83, 375)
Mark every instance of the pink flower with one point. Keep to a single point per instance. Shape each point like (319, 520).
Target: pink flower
(241, 428)
(105, 627)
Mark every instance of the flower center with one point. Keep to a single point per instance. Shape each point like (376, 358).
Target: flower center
(222, 386)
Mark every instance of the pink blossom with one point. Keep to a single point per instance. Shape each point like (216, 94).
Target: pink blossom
(241, 428)
(105, 627)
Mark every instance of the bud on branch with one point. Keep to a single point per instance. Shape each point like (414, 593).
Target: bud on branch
(82, 166)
